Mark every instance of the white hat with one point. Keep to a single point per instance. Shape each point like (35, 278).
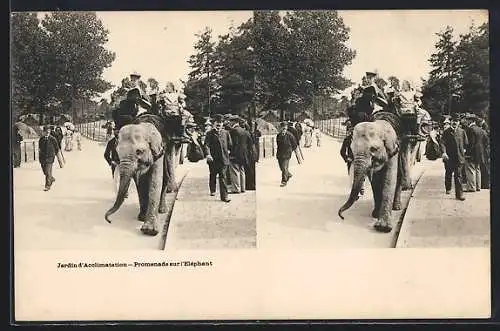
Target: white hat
(135, 73)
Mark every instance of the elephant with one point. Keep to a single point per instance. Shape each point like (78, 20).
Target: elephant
(146, 156)
(376, 149)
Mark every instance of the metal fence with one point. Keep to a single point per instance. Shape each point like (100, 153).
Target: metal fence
(93, 130)
(332, 127)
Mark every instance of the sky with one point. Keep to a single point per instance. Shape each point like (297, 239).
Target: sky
(392, 42)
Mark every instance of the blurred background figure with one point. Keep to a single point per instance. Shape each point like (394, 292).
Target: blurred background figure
(17, 138)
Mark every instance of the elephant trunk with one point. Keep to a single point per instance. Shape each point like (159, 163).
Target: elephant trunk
(360, 168)
(125, 177)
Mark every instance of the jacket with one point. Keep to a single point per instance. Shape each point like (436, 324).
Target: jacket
(218, 146)
(476, 149)
(110, 154)
(47, 149)
(242, 144)
(286, 143)
(345, 149)
(454, 143)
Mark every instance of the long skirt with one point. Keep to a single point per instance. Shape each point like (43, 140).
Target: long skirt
(308, 139)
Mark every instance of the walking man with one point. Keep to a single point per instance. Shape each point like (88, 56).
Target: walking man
(453, 144)
(286, 144)
(217, 146)
(47, 151)
(16, 146)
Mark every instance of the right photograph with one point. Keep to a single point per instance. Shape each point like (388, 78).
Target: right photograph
(374, 129)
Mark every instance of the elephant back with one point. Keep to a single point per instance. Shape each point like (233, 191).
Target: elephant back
(393, 119)
(154, 119)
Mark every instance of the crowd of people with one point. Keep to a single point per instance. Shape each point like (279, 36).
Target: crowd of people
(462, 140)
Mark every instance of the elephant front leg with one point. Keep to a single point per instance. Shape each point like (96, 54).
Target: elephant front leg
(142, 185)
(396, 204)
(163, 201)
(150, 226)
(171, 154)
(388, 178)
(376, 183)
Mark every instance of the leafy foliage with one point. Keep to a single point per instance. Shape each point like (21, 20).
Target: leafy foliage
(271, 61)
(57, 59)
(459, 79)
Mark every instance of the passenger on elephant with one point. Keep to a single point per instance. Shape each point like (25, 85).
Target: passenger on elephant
(453, 143)
(372, 99)
(407, 108)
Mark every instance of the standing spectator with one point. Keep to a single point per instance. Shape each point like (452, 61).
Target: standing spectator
(475, 155)
(78, 138)
(16, 147)
(453, 143)
(109, 130)
(47, 152)
(217, 146)
(256, 134)
(300, 131)
(286, 144)
(112, 158)
(291, 129)
(68, 140)
(239, 155)
(308, 136)
(485, 164)
(348, 156)
(58, 134)
(317, 134)
(250, 156)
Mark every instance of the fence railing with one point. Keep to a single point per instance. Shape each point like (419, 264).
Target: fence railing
(29, 150)
(332, 127)
(93, 130)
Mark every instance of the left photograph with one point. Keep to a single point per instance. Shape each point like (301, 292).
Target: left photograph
(132, 131)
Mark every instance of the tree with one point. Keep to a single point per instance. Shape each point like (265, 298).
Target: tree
(29, 72)
(319, 52)
(473, 62)
(459, 80)
(443, 80)
(201, 84)
(58, 59)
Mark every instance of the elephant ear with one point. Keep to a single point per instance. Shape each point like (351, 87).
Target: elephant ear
(391, 143)
(155, 143)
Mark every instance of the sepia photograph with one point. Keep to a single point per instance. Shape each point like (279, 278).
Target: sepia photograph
(221, 151)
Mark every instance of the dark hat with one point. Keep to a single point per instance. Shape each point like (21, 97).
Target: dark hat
(47, 128)
(371, 74)
(283, 124)
(455, 117)
(218, 118)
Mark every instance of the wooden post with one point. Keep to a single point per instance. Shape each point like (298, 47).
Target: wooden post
(264, 147)
(25, 153)
(272, 148)
(34, 152)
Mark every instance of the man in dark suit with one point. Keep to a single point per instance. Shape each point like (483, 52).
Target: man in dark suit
(47, 152)
(484, 165)
(217, 146)
(453, 143)
(475, 155)
(240, 155)
(17, 138)
(286, 144)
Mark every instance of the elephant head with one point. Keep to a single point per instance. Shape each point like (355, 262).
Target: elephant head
(373, 144)
(139, 146)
